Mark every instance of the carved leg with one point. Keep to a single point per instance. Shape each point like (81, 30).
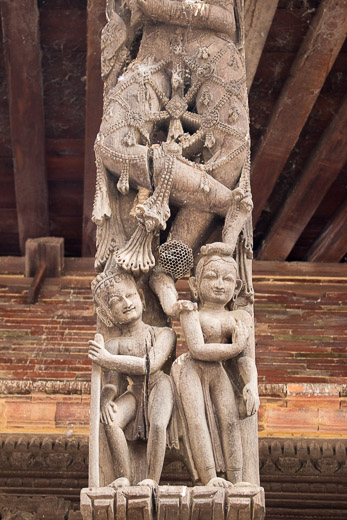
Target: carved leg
(160, 410)
(194, 409)
(192, 227)
(126, 408)
(184, 181)
(228, 418)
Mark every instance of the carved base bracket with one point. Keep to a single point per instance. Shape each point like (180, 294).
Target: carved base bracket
(173, 502)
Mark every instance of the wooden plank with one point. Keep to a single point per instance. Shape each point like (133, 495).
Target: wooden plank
(302, 270)
(331, 245)
(12, 265)
(96, 21)
(311, 66)
(258, 19)
(320, 172)
(20, 21)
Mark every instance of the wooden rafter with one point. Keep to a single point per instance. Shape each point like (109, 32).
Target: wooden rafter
(331, 245)
(96, 21)
(20, 25)
(320, 172)
(311, 66)
(258, 19)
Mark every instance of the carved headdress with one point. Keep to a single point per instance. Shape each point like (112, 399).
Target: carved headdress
(213, 251)
(101, 286)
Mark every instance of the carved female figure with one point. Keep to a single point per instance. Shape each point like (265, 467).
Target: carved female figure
(142, 408)
(215, 335)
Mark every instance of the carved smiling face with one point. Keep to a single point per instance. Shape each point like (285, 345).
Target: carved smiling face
(125, 303)
(217, 282)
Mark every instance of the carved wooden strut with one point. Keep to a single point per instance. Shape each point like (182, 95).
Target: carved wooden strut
(172, 158)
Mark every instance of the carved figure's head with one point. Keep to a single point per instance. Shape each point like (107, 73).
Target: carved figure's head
(117, 300)
(215, 280)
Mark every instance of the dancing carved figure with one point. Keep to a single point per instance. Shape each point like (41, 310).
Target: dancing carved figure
(137, 398)
(175, 124)
(212, 400)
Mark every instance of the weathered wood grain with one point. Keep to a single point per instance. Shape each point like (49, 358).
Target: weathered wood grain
(311, 66)
(331, 245)
(320, 172)
(258, 19)
(23, 65)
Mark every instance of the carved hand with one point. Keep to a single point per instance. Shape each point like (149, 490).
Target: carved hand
(108, 411)
(183, 306)
(251, 398)
(98, 354)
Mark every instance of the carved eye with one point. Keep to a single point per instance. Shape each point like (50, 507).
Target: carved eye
(229, 278)
(210, 274)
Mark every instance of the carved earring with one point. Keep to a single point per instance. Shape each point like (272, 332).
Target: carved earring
(193, 288)
(142, 298)
(105, 319)
(238, 288)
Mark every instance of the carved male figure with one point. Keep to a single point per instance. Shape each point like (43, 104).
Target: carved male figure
(215, 336)
(141, 409)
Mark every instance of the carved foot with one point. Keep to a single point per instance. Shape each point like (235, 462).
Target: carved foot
(137, 254)
(148, 482)
(119, 482)
(155, 211)
(153, 215)
(219, 482)
(245, 484)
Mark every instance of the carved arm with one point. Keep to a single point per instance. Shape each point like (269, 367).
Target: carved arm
(129, 365)
(248, 371)
(163, 286)
(197, 14)
(195, 340)
(161, 350)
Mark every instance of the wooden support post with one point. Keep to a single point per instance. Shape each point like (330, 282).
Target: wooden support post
(331, 245)
(318, 175)
(96, 21)
(322, 43)
(49, 251)
(258, 19)
(35, 286)
(20, 25)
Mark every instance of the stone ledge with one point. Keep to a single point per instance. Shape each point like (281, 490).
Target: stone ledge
(176, 502)
(52, 387)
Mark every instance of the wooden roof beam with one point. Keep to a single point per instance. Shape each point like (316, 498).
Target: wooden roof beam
(321, 170)
(331, 245)
(94, 89)
(311, 66)
(258, 19)
(20, 25)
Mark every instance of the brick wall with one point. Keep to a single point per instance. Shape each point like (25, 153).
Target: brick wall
(301, 325)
